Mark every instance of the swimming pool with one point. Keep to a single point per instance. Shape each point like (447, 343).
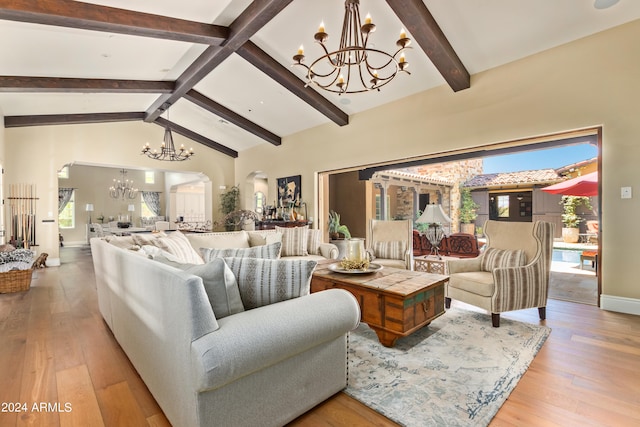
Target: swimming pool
(566, 255)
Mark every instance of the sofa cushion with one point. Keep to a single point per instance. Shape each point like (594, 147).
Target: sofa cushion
(219, 283)
(314, 239)
(271, 251)
(259, 239)
(236, 239)
(390, 250)
(499, 258)
(267, 281)
(294, 240)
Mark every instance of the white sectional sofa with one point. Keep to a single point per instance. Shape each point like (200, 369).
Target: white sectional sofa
(258, 366)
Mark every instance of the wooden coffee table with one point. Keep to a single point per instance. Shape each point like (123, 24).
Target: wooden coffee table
(393, 302)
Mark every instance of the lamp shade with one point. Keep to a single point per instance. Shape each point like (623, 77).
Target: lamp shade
(131, 208)
(89, 207)
(433, 214)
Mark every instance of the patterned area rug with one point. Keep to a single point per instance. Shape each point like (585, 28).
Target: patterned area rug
(458, 371)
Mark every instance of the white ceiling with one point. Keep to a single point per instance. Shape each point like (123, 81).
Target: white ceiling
(485, 34)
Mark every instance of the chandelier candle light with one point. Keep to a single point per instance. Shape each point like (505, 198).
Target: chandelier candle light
(355, 60)
(167, 150)
(123, 188)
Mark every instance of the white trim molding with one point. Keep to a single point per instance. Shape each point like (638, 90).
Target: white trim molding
(620, 304)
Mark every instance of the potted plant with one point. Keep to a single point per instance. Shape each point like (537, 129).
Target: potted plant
(229, 201)
(570, 218)
(335, 228)
(467, 211)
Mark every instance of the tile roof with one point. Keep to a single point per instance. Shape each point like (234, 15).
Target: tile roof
(401, 175)
(540, 176)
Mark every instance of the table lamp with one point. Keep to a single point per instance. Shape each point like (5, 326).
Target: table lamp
(435, 217)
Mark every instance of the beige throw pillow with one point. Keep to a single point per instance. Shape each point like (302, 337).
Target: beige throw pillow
(294, 241)
(499, 258)
(390, 250)
(314, 239)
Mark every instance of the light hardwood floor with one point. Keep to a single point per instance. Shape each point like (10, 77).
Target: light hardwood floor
(56, 351)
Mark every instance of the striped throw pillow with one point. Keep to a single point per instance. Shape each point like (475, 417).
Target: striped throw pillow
(294, 240)
(267, 281)
(390, 250)
(271, 251)
(314, 239)
(499, 258)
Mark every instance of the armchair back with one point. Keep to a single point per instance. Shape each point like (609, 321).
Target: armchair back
(512, 236)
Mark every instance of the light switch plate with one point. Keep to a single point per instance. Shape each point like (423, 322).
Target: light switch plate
(625, 192)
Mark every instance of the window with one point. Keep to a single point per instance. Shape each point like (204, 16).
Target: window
(67, 218)
(145, 212)
(503, 206)
(259, 201)
(149, 177)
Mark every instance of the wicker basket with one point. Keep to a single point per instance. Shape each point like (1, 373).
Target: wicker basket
(15, 281)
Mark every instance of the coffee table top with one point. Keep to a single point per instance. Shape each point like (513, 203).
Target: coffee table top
(389, 279)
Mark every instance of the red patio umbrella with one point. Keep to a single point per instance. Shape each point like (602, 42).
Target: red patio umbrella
(585, 185)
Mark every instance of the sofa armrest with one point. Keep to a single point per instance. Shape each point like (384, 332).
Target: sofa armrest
(463, 265)
(329, 250)
(252, 340)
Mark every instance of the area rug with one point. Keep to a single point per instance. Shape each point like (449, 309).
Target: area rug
(457, 371)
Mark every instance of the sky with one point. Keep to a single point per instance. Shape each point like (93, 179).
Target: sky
(540, 159)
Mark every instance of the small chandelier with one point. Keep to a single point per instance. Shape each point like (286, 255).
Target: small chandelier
(354, 60)
(167, 150)
(123, 188)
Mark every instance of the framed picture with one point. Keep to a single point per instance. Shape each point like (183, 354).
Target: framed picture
(289, 191)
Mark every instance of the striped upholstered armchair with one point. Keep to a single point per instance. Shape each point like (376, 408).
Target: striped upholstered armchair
(512, 273)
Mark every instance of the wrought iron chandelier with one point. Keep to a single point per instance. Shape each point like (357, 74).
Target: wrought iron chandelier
(123, 188)
(167, 150)
(354, 60)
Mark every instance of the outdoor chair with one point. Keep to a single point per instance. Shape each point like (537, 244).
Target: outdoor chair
(391, 243)
(512, 272)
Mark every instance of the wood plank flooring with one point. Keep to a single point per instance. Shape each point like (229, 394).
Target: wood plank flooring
(59, 359)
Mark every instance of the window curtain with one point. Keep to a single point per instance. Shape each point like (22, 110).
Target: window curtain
(64, 195)
(152, 200)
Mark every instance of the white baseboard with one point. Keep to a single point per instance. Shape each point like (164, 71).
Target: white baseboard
(620, 304)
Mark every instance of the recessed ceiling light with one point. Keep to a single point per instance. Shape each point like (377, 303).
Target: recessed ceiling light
(345, 101)
(604, 4)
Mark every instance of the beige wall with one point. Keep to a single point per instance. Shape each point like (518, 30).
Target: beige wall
(35, 154)
(590, 82)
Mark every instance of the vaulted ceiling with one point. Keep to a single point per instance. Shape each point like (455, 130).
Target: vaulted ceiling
(219, 72)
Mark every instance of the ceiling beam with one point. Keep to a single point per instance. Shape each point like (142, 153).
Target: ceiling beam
(85, 16)
(195, 137)
(263, 62)
(252, 19)
(70, 119)
(56, 84)
(232, 117)
(427, 33)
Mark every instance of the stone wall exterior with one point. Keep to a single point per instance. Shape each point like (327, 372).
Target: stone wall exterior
(458, 172)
